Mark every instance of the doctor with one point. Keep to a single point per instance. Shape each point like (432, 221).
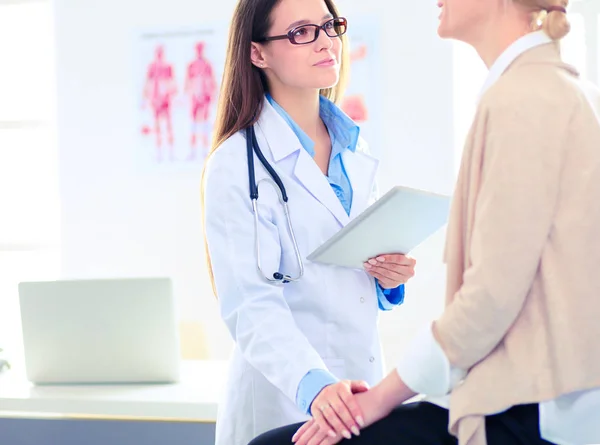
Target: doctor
(302, 330)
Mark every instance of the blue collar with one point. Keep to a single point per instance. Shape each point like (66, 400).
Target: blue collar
(343, 131)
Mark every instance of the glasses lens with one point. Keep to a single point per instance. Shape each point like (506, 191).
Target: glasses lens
(336, 27)
(304, 34)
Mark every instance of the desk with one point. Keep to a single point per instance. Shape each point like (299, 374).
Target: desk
(181, 413)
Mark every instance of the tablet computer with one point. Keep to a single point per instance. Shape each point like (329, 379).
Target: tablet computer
(396, 223)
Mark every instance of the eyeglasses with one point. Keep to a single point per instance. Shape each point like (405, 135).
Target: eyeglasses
(301, 35)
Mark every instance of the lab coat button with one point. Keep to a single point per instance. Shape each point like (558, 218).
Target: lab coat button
(372, 359)
(362, 299)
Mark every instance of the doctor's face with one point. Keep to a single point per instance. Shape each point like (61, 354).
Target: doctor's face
(305, 65)
(465, 20)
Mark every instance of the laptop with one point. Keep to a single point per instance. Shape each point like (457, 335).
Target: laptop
(100, 331)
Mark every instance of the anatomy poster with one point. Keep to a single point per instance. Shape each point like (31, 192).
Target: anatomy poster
(178, 80)
(362, 99)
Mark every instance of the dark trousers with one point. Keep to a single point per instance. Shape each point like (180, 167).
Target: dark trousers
(423, 423)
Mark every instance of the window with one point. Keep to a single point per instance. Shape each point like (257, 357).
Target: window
(29, 204)
(574, 46)
(580, 48)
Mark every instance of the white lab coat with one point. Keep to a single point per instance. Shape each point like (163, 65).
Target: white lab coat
(327, 320)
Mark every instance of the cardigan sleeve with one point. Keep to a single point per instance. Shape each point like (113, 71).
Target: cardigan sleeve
(522, 156)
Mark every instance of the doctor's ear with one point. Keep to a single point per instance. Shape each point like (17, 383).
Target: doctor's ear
(256, 56)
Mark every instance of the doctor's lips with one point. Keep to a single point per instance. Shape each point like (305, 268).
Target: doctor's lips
(329, 61)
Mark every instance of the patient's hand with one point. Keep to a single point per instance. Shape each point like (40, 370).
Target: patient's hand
(311, 432)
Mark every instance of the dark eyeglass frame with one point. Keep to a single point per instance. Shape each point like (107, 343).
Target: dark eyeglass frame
(342, 21)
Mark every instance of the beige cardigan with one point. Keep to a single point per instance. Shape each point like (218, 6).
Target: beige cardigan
(523, 245)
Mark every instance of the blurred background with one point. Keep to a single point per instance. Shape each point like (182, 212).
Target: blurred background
(94, 185)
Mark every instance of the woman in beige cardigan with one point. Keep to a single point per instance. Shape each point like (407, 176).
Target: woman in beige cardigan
(515, 356)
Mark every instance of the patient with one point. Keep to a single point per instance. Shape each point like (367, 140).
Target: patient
(515, 356)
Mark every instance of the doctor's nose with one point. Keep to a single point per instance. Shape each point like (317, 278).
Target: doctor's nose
(324, 41)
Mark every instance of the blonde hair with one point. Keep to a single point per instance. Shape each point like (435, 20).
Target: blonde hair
(554, 22)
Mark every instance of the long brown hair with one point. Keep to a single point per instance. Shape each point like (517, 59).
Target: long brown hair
(244, 85)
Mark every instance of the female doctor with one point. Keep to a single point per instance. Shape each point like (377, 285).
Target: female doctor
(302, 330)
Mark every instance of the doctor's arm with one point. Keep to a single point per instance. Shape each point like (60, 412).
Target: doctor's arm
(391, 271)
(256, 312)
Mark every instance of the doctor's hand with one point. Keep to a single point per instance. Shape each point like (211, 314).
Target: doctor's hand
(375, 403)
(391, 270)
(312, 434)
(335, 410)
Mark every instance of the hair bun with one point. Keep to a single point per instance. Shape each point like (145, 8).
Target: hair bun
(556, 24)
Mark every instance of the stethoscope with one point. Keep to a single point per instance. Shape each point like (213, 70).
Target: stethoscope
(275, 181)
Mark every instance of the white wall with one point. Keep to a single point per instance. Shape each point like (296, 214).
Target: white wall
(118, 220)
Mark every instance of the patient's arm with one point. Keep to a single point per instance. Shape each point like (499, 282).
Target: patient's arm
(379, 401)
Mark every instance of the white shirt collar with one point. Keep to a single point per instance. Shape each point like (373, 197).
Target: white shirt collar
(509, 55)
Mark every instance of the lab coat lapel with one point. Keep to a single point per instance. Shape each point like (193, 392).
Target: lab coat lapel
(361, 169)
(308, 174)
(283, 143)
(278, 135)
